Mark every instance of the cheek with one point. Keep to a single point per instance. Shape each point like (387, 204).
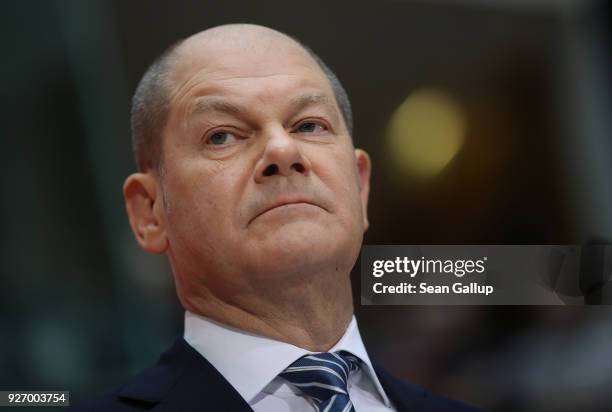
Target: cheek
(202, 201)
(339, 175)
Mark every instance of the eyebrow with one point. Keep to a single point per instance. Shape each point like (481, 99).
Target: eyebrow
(296, 104)
(299, 103)
(212, 104)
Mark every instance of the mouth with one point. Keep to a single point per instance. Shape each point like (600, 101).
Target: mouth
(285, 203)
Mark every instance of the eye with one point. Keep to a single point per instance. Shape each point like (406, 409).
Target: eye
(220, 138)
(311, 127)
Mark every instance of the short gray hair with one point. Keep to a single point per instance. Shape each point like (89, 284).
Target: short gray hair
(151, 105)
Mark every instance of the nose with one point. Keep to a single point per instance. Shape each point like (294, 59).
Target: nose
(281, 157)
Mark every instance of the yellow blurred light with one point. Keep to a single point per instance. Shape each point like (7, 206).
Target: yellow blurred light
(426, 132)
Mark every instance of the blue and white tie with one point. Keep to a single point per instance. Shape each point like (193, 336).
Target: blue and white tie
(323, 377)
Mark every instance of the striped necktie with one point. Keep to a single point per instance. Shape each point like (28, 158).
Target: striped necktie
(323, 377)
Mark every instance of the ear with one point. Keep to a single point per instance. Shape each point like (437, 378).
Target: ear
(145, 209)
(364, 168)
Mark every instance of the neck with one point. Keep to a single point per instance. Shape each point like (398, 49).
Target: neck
(312, 315)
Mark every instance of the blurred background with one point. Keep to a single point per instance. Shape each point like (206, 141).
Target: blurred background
(488, 121)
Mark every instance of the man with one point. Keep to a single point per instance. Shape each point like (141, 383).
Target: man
(250, 184)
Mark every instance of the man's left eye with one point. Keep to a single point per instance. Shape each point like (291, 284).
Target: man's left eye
(311, 127)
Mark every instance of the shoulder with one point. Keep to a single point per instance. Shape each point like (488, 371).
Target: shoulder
(181, 379)
(142, 391)
(407, 397)
(110, 401)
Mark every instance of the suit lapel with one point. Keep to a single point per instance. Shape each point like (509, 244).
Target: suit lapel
(406, 397)
(183, 380)
(403, 396)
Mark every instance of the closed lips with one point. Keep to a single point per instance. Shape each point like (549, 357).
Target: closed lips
(285, 203)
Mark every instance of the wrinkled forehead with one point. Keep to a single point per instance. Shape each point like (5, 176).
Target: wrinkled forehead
(217, 58)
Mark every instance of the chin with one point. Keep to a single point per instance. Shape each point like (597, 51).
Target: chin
(300, 247)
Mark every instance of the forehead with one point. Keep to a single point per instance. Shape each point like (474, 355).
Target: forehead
(241, 63)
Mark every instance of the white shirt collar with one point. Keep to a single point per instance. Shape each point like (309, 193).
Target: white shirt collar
(250, 362)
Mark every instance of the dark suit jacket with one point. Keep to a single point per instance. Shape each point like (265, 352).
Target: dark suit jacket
(183, 380)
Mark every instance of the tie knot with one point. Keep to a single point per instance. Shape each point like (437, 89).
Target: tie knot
(323, 376)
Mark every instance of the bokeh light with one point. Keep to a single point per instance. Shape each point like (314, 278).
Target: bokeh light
(426, 132)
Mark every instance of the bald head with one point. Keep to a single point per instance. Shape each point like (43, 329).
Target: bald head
(238, 36)
(152, 99)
